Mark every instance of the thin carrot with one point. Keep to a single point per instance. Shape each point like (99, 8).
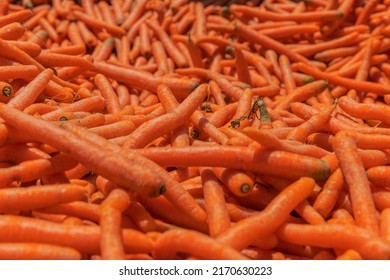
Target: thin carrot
(108, 93)
(182, 240)
(82, 238)
(355, 176)
(93, 22)
(111, 243)
(217, 214)
(35, 197)
(30, 93)
(36, 251)
(159, 126)
(345, 82)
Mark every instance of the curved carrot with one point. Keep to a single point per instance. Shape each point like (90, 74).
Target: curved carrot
(112, 207)
(267, 221)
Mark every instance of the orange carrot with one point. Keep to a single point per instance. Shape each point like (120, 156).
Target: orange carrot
(354, 175)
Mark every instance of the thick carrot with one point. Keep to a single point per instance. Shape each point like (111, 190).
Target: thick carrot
(174, 191)
(89, 155)
(278, 163)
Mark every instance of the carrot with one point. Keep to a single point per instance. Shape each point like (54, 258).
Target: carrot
(173, 191)
(342, 236)
(288, 80)
(87, 155)
(82, 238)
(266, 221)
(110, 98)
(26, 72)
(256, 160)
(217, 214)
(141, 217)
(111, 243)
(35, 197)
(345, 82)
(181, 240)
(314, 124)
(354, 175)
(329, 194)
(159, 126)
(238, 182)
(365, 111)
(379, 175)
(36, 251)
(302, 93)
(12, 31)
(144, 80)
(96, 23)
(18, 16)
(30, 93)
(170, 47)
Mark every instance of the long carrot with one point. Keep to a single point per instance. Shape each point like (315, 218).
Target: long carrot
(354, 175)
(159, 126)
(244, 232)
(181, 240)
(64, 140)
(345, 236)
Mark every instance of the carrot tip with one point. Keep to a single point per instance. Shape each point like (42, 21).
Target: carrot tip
(245, 188)
(162, 189)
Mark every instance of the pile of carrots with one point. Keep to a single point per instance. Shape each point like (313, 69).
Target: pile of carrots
(175, 129)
